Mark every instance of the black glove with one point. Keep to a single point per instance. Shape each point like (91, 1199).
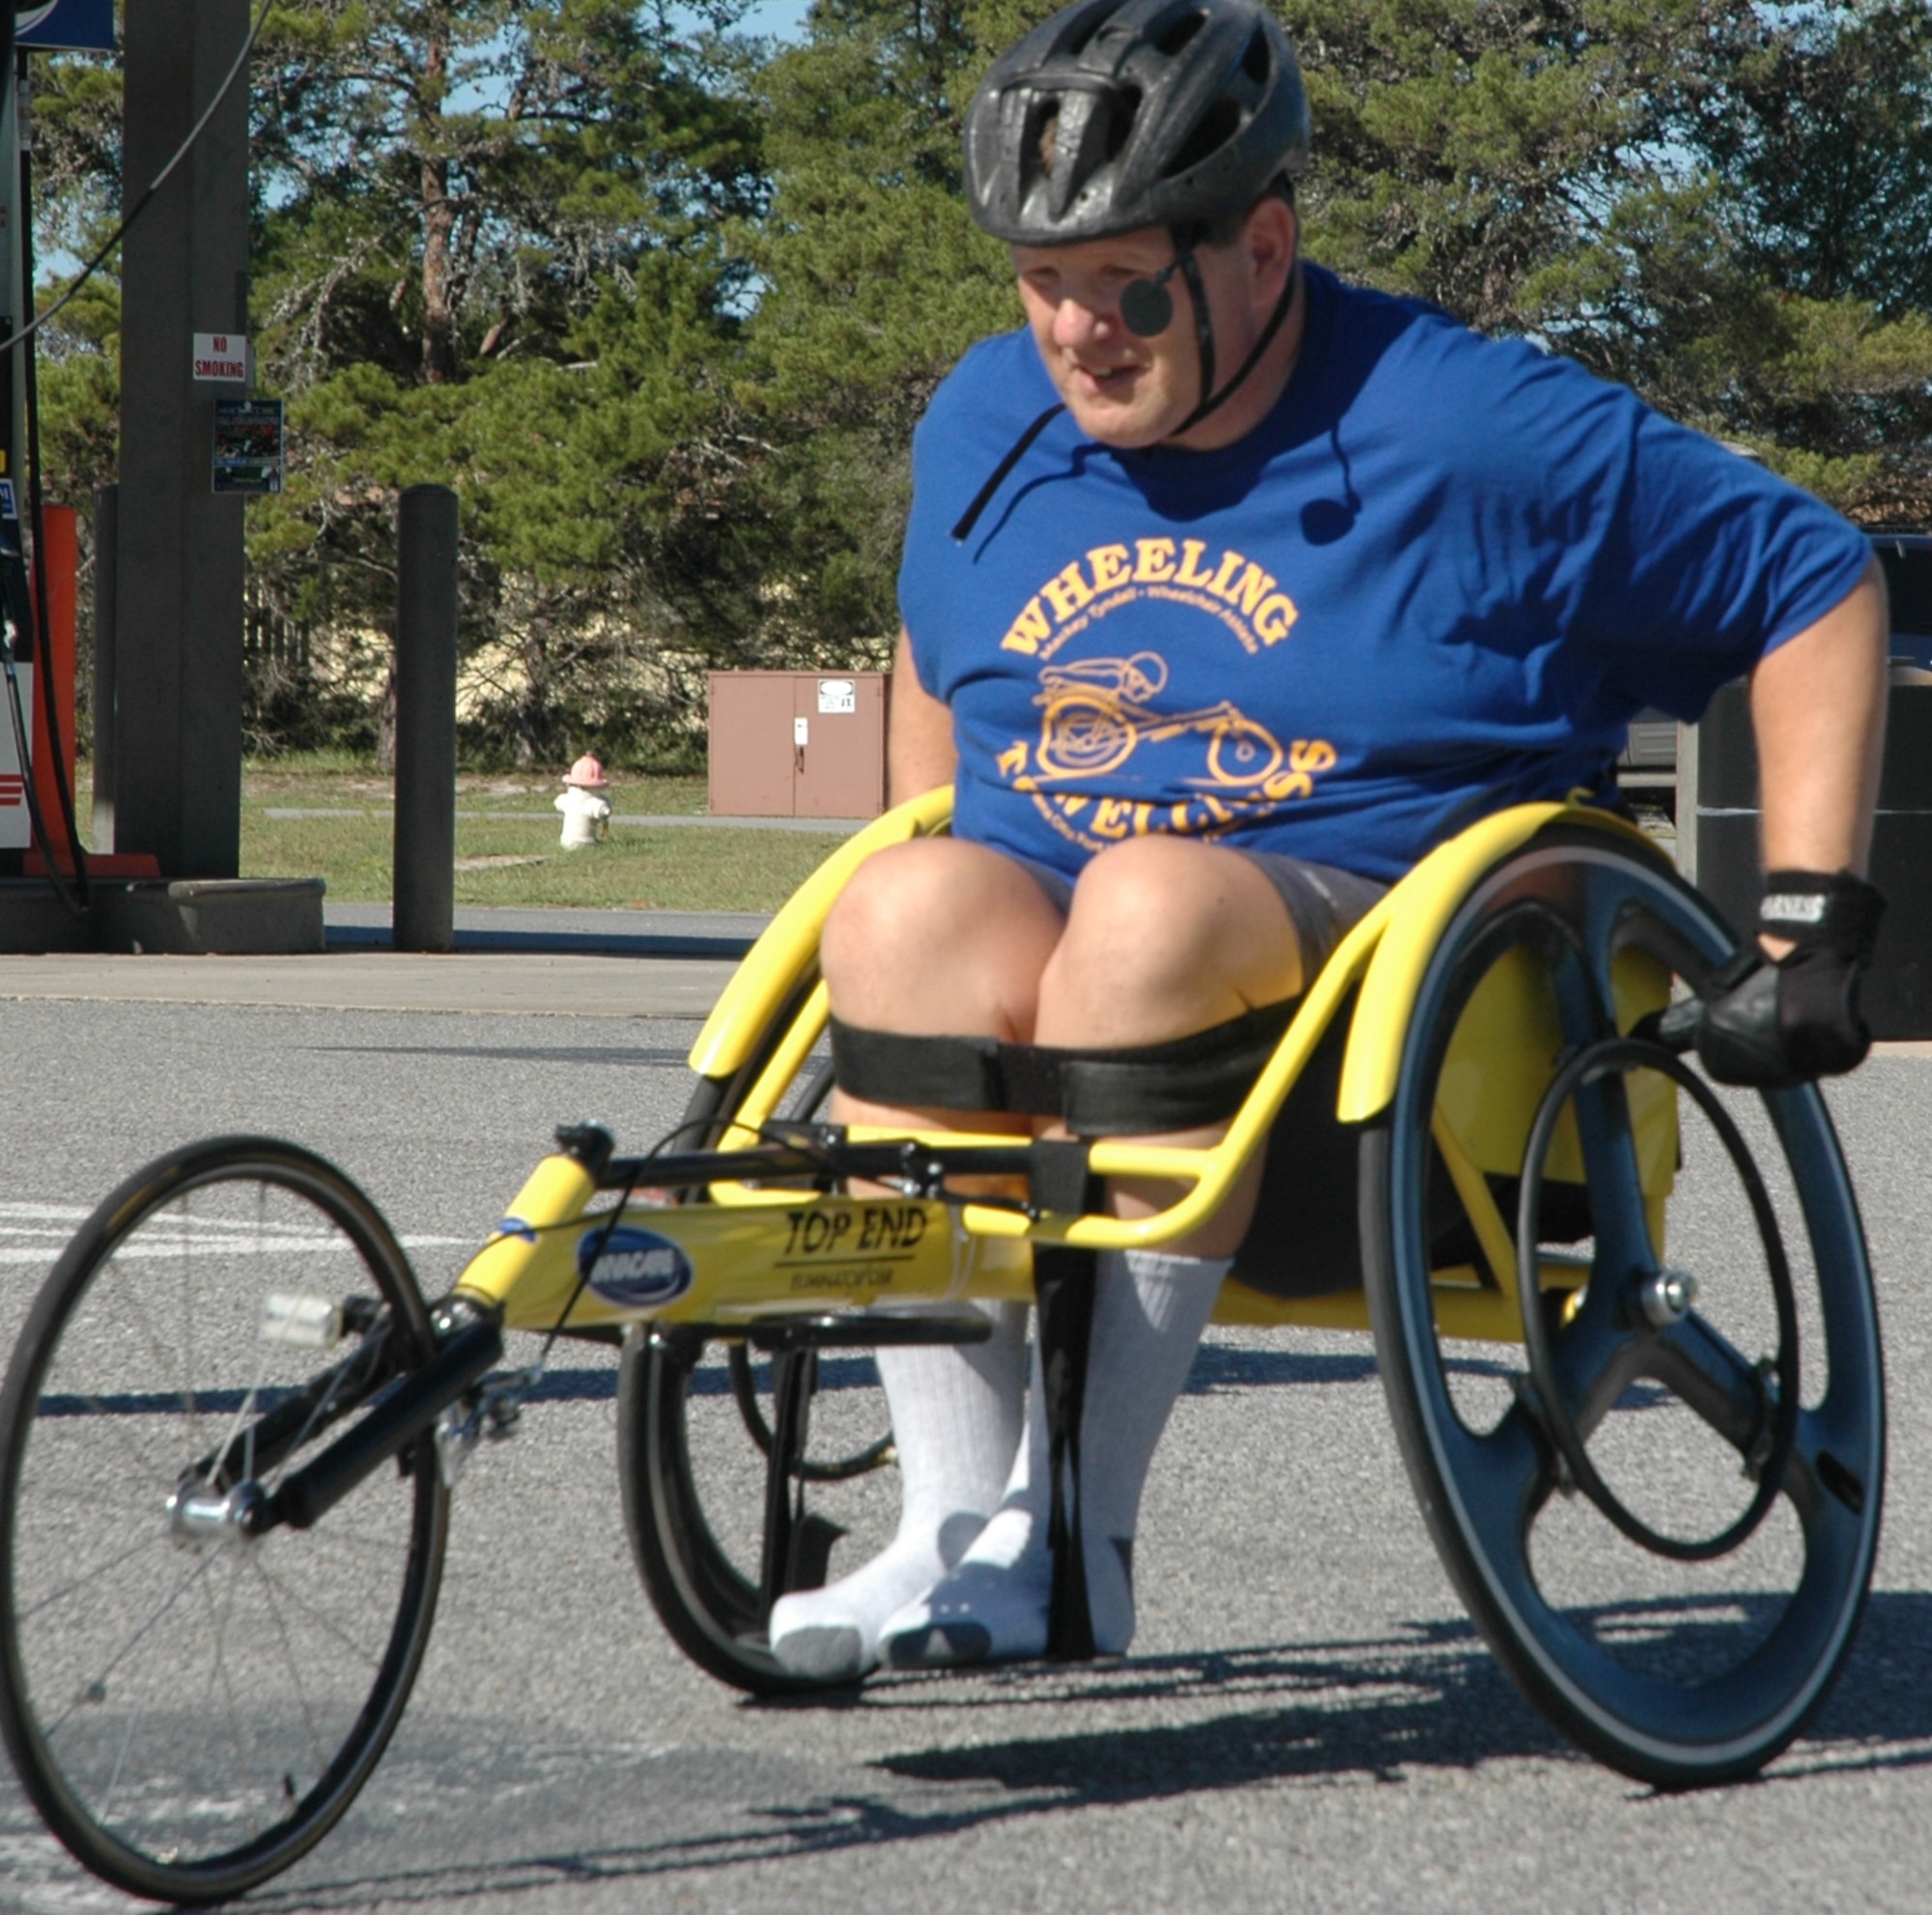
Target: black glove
(1774, 1025)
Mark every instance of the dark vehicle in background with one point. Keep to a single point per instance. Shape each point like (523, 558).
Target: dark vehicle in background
(1647, 771)
(1906, 559)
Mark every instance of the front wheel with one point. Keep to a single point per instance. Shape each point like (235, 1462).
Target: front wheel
(191, 1708)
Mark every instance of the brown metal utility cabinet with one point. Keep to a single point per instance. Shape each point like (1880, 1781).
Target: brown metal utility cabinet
(798, 744)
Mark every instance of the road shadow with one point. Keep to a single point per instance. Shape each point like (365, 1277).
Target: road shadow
(1427, 1700)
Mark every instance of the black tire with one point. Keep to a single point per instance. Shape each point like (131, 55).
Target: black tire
(694, 1419)
(1676, 1671)
(191, 1710)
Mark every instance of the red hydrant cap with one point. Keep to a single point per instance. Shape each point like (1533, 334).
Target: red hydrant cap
(587, 772)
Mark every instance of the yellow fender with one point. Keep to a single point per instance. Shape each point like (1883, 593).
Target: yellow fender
(786, 953)
(1417, 912)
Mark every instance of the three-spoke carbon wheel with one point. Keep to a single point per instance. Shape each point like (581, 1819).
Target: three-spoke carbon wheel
(191, 1708)
(717, 1541)
(1662, 1508)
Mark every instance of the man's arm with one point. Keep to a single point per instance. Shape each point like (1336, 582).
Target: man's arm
(920, 753)
(1818, 709)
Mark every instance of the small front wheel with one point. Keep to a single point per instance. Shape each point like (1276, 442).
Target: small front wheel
(191, 1708)
(697, 1414)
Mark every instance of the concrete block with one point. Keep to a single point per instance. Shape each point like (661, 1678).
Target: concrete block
(235, 917)
(33, 919)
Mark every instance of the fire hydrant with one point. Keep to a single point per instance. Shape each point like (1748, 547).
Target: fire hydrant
(586, 811)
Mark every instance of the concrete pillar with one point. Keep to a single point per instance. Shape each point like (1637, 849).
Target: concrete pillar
(184, 270)
(15, 294)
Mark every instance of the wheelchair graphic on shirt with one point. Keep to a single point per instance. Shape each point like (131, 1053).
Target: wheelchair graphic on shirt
(230, 1426)
(1098, 712)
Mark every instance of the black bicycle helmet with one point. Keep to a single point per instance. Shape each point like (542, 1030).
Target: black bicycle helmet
(1120, 114)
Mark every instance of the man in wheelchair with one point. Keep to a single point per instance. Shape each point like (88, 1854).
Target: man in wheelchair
(1393, 576)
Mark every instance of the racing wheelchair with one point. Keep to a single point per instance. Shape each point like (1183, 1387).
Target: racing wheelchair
(1624, 1322)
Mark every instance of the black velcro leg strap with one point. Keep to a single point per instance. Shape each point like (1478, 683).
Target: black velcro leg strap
(1179, 1085)
(934, 1072)
(1059, 1177)
(1063, 1282)
(1136, 1090)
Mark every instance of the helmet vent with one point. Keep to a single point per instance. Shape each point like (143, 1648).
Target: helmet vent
(1216, 127)
(1046, 140)
(1255, 62)
(1174, 38)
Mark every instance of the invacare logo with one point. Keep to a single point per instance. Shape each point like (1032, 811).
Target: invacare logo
(633, 1269)
(13, 789)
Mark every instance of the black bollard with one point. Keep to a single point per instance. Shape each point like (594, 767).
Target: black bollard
(424, 886)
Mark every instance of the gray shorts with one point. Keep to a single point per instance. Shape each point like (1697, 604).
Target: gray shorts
(1324, 903)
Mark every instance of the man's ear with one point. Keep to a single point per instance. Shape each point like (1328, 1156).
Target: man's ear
(1270, 237)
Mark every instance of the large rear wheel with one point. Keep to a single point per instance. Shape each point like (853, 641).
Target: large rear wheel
(1662, 1509)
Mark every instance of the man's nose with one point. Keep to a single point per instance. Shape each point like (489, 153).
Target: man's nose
(1077, 321)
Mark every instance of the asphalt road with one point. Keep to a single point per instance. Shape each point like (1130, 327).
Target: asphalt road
(1307, 1721)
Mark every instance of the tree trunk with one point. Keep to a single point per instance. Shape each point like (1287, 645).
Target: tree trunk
(438, 346)
(385, 726)
(535, 721)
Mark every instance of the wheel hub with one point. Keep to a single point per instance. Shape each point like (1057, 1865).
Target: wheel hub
(197, 1516)
(1666, 1296)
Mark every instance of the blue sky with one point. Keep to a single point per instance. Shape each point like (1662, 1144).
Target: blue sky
(784, 18)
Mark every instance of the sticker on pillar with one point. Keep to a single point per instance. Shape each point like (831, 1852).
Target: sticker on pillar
(221, 358)
(837, 696)
(248, 445)
(7, 506)
(16, 824)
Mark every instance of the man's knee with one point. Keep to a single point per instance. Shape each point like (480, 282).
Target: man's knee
(1160, 916)
(886, 912)
(953, 924)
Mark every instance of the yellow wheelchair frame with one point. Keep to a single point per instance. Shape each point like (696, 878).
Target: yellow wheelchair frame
(870, 1252)
(1518, 1120)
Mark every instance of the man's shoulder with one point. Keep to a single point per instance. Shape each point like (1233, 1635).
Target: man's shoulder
(1410, 339)
(995, 379)
(1403, 369)
(1002, 372)
(978, 413)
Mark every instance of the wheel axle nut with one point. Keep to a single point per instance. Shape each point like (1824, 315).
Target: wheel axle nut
(1668, 1296)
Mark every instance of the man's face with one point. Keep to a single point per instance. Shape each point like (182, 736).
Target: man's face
(1121, 390)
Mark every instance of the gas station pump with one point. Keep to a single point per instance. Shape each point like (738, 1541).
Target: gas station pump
(170, 874)
(37, 811)
(17, 798)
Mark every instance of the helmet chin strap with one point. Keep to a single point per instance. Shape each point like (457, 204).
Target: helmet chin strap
(1146, 308)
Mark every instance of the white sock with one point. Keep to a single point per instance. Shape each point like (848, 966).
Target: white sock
(956, 1411)
(1149, 1312)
